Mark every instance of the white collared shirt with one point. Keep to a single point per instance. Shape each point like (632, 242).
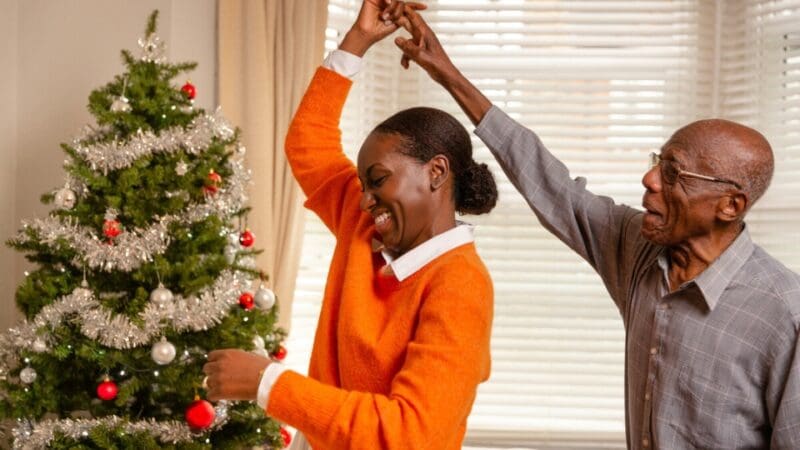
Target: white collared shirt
(416, 258)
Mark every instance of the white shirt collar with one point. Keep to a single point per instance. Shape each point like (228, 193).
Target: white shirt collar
(416, 258)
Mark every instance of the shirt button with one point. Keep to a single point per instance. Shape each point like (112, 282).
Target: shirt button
(647, 396)
(645, 442)
(653, 351)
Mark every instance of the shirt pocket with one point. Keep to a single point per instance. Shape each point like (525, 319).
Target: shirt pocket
(706, 403)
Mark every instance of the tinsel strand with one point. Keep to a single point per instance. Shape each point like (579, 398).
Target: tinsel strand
(97, 322)
(34, 436)
(133, 248)
(195, 138)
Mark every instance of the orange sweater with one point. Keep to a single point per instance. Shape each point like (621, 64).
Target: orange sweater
(395, 365)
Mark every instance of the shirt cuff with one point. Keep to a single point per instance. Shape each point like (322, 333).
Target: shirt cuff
(342, 62)
(271, 375)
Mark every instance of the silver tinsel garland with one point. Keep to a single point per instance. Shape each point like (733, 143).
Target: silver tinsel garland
(133, 248)
(30, 436)
(97, 322)
(195, 313)
(194, 139)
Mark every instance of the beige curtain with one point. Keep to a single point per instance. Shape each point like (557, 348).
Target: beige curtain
(268, 50)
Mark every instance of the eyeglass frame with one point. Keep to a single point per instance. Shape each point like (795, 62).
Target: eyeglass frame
(655, 160)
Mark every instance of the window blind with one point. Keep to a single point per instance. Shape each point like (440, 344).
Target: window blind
(760, 86)
(603, 83)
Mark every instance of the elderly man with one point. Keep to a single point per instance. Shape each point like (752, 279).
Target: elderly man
(711, 319)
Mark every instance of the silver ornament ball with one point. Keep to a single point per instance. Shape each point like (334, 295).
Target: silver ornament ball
(258, 341)
(120, 104)
(161, 296)
(265, 298)
(163, 352)
(65, 198)
(27, 375)
(39, 346)
(230, 254)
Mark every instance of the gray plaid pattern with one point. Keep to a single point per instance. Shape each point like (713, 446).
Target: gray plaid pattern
(713, 365)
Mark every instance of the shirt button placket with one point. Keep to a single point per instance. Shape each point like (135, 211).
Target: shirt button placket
(659, 326)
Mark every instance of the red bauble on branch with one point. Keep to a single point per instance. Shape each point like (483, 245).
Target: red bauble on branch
(213, 182)
(280, 353)
(200, 414)
(246, 301)
(189, 90)
(112, 228)
(247, 238)
(287, 438)
(107, 390)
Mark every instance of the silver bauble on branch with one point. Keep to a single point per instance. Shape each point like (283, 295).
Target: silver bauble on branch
(230, 253)
(163, 352)
(27, 375)
(120, 104)
(258, 341)
(265, 298)
(39, 345)
(181, 168)
(65, 198)
(161, 296)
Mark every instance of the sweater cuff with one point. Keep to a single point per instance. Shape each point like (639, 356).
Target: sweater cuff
(304, 403)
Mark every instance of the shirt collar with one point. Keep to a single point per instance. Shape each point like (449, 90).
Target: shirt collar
(415, 259)
(713, 281)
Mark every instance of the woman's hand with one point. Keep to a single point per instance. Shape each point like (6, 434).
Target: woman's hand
(233, 374)
(376, 20)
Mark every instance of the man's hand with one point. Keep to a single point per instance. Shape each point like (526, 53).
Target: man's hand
(376, 20)
(233, 374)
(424, 47)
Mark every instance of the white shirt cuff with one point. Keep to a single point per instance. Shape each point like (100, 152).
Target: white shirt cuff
(268, 379)
(342, 62)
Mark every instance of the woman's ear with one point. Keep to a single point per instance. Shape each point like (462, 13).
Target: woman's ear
(439, 170)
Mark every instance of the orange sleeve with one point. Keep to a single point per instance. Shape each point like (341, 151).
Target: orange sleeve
(432, 394)
(314, 150)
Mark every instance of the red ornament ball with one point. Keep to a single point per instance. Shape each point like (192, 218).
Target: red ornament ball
(280, 353)
(247, 238)
(189, 90)
(213, 182)
(287, 438)
(246, 301)
(214, 177)
(112, 228)
(107, 390)
(200, 414)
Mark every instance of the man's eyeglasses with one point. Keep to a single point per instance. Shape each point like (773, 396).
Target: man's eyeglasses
(670, 172)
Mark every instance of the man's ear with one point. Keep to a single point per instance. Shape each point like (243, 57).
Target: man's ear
(732, 207)
(439, 170)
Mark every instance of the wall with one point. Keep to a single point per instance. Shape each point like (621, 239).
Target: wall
(53, 55)
(8, 154)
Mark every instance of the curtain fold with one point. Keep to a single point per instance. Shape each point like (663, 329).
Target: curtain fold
(267, 53)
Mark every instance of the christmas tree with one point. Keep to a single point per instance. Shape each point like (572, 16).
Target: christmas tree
(143, 266)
